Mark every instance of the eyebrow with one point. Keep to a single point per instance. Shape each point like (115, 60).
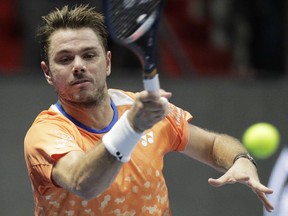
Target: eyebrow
(84, 50)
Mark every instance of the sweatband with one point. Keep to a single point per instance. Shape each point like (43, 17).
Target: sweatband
(121, 139)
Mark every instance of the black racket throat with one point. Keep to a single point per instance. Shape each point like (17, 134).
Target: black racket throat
(129, 19)
(134, 24)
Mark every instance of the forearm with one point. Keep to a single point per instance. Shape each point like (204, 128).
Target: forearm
(99, 172)
(225, 149)
(213, 149)
(87, 175)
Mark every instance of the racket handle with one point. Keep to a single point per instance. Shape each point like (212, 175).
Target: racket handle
(152, 84)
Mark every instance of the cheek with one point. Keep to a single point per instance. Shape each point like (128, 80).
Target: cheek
(99, 71)
(59, 85)
(60, 78)
(60, 72)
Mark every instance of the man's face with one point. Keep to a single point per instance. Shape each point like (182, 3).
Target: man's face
(78, 66)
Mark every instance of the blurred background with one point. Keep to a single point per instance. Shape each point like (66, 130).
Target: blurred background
(224, 60)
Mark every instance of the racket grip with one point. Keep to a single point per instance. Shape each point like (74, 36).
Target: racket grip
(152, 84)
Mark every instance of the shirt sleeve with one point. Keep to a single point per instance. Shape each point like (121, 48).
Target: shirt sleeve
(178, 134)
(46, 142)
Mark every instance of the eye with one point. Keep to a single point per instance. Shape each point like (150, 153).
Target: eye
(65, 59)
(89, 55)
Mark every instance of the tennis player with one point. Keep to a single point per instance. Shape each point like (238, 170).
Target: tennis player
(99, 151)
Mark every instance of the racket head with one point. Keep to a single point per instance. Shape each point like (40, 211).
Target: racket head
(134, 23)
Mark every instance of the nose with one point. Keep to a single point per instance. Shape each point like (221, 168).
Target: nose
(79, 65)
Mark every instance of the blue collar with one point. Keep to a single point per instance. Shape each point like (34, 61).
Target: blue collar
(92, 130)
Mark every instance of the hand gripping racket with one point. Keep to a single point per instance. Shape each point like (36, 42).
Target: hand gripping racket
(134, 23)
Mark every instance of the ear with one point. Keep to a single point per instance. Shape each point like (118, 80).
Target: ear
(47, 73)
(108, 66)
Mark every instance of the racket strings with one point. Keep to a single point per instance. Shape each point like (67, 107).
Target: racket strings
(126, 20)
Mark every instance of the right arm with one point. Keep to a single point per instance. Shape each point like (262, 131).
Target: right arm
(89, 174)
(86, 174)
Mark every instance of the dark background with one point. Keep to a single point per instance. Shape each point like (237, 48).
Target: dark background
(224, 61)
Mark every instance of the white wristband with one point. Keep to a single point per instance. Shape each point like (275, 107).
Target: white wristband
(121, 139)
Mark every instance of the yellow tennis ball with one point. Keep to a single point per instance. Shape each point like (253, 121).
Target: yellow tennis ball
(261, 140)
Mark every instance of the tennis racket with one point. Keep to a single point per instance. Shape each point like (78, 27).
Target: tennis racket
(134, 24)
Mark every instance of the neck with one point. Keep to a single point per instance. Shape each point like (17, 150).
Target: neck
(97, 117)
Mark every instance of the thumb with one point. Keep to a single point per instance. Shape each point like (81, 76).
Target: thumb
(215, 182)
(224, 179)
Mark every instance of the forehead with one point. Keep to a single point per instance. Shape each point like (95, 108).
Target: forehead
(73, 38)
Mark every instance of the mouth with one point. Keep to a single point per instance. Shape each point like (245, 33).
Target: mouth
(79, 81)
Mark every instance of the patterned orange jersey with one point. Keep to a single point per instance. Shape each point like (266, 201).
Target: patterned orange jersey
(139, 188)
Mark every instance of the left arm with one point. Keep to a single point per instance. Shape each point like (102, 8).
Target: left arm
(219, 151)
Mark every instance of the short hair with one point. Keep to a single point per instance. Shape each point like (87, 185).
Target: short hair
(75, 17)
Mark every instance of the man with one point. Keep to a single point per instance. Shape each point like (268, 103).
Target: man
(86, 154)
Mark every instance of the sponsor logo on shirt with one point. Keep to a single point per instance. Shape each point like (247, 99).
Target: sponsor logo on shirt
(147, 139)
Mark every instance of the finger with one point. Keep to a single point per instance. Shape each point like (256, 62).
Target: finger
(215, 182)
(221, 181)
(145, 96)
(228, 179)
(259, 187)
(262, 196)
(165, 94)
(260, 190)
(255, 185)
(159, 105)
(164, 101)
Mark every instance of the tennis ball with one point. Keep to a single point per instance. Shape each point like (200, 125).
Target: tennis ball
(261, 140)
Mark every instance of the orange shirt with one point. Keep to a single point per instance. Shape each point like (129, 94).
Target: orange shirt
(139, 188)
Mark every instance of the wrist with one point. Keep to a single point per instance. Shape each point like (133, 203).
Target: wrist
(132, 124)
(245, 155)
(121, 140)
